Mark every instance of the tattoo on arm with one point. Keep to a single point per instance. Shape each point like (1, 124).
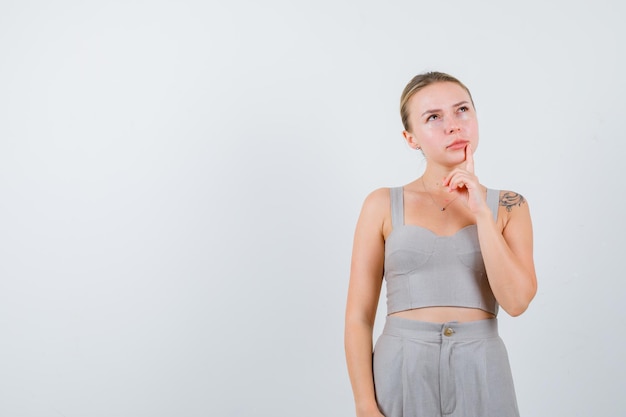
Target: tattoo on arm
(510, 199)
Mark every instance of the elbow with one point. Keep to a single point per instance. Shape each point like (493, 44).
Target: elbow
(519, 306)
(516, 311)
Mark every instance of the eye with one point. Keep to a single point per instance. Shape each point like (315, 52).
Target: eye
(432, 117)
(463, 108)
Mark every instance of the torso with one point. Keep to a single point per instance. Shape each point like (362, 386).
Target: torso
(420, 210)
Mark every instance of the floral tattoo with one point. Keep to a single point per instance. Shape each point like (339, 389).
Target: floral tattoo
(510, 199)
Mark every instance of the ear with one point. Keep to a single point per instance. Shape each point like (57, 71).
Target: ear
(410, 139)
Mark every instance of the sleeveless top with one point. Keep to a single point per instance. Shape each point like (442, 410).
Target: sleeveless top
(423, 269)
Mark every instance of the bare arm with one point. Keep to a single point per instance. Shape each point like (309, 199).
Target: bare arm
(508, 255)
(366, 274)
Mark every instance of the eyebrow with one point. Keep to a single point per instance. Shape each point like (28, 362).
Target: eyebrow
(438, 110)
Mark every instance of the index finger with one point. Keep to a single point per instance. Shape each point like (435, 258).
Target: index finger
(469, 158)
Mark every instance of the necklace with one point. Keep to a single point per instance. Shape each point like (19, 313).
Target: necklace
(432, 198)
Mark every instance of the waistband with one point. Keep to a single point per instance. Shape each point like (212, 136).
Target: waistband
(427, 331)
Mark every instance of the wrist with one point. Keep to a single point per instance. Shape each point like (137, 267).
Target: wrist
(484, 215)
(366, 409)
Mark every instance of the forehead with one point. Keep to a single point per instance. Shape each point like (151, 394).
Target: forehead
(439, 95)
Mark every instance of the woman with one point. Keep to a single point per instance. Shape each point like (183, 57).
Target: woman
(451, 251)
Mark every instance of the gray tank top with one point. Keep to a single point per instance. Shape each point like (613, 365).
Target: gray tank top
(423, 269)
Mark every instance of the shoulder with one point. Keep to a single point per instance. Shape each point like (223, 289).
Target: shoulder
(510, 200)
(378, 200)
(376, 211)
(512, 210)
(375, 216)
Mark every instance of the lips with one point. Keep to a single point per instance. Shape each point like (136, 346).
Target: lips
(458, 144)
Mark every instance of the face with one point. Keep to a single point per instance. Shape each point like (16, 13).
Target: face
(443, 122)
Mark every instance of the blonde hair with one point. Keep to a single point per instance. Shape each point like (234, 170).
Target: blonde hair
(419, 82)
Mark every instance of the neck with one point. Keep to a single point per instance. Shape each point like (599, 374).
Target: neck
(433, 177)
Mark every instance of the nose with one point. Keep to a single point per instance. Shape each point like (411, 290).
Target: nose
(452, 127)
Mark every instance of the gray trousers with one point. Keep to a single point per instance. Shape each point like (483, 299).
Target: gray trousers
(453, 369)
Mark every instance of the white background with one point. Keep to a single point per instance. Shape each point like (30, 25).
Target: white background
(180, 180)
